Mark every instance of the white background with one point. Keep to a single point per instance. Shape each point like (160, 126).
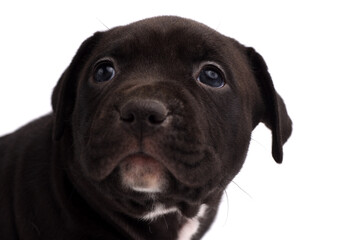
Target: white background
(312, 50)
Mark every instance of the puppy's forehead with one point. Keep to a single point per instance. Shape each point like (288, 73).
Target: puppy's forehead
(166, 26)
(165, 34)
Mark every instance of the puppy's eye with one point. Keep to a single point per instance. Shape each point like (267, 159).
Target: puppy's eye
(104, 71)
(211, 76)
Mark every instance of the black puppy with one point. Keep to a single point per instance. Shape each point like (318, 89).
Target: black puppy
(150, 123)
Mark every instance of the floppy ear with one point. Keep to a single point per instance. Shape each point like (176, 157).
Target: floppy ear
(275, 116)
(64, 94)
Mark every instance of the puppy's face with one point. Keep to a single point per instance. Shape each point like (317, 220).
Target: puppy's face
(160, 110)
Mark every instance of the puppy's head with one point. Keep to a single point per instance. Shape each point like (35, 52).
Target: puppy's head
(162, 110)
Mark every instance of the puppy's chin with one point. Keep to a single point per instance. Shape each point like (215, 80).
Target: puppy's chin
(142, 173)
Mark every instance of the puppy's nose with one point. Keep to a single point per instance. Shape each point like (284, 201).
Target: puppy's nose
(143, 114)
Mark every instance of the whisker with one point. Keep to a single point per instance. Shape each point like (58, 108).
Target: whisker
(227, 207)
(103, 23)
(242, 189)
(166, 224)
(238, 186)
(259, 143)
(227, 203)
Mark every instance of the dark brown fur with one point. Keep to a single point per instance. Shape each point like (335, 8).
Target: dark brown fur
(59, 175)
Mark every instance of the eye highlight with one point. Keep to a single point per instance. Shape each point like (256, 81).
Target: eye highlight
(211, 76)
(104, 71)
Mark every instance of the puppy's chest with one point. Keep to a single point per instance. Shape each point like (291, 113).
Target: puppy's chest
(190, 226)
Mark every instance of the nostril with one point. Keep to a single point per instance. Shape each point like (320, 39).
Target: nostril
(129, 118)
(156, 119)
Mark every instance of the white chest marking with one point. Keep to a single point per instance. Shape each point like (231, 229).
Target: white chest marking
(158, 210)
(192, 224)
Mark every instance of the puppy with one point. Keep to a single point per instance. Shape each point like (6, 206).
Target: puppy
(150, 123)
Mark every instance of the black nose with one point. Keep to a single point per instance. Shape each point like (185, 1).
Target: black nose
(143, 115)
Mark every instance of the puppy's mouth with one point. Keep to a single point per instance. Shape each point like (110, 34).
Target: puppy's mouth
(142, 173)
